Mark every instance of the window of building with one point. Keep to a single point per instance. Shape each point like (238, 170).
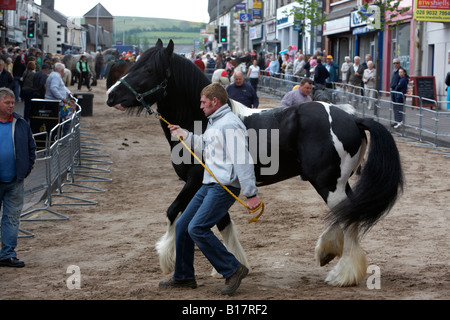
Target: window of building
(400, 44)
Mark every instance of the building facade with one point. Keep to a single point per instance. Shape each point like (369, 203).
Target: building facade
(13, 24)
(100, 39)
(59, 34)
(270, 28)
(54, 32)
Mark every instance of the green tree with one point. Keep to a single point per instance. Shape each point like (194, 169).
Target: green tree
(310, 14)
(390, 12)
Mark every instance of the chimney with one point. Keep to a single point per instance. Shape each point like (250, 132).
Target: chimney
(50, 4)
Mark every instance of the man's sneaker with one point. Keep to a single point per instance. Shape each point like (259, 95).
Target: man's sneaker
(233, 282)
(12, 262)
(398, 125)
(172, 284)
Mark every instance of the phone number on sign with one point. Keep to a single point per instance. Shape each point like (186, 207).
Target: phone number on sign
(433, 12)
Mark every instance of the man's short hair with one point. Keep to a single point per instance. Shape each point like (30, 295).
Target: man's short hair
(6, 92)
(59, 66)
(306, 80)
(215, 90)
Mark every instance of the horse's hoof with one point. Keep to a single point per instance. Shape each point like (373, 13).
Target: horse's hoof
(349, 271)
(327, 259)
(215, 274)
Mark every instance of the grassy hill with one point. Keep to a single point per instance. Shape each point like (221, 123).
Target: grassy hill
(144, 32)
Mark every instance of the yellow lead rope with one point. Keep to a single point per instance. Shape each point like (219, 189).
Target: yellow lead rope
(261, 204)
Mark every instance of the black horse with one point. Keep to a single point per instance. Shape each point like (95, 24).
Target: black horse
(116, 71)
(316, 141)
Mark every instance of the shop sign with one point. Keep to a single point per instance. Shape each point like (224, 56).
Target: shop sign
(337, 26)
(257, 14)
(372, 15)
(7, 4)
(432, 10)
(256, 32)
(283, 18)
(245, 18)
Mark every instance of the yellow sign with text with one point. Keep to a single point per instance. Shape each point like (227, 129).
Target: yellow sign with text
(432, 10)
(257, 4)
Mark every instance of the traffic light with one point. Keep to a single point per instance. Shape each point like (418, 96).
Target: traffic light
(31, 28)
(216, 34)
(223, 34)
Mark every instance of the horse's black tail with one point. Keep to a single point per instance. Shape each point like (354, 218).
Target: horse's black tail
(379, 185)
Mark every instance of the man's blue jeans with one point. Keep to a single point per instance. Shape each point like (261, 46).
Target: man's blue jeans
(209, 205)
(11, 197)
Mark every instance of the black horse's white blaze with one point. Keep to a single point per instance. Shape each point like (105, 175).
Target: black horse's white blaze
(317, 141)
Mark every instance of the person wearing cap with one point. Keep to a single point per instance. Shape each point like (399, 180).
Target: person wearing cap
(333, 69)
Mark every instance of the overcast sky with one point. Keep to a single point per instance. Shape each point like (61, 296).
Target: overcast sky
(172, 9)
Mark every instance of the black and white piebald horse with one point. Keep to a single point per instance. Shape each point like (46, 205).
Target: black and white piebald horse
(316, 141)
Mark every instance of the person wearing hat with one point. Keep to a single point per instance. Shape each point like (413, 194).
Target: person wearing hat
(333, 69)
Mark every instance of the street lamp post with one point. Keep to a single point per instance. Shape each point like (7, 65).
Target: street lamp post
(218, 26)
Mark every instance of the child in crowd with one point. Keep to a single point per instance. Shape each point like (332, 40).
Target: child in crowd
(67, 111)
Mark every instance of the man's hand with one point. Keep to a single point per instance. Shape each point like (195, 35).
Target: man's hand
(177, 131)
(253, 203)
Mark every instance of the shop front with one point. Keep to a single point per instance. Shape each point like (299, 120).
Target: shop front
(399, 43)
(339, 41)
(339, 38)
(368, 36)
(256, 33)
(285, 27)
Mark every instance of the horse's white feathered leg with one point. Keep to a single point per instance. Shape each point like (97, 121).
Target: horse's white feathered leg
(352, 266)
(231, 241)
(166, 249)
(329, 245)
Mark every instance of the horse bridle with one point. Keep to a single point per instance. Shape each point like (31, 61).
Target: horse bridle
(140, 96)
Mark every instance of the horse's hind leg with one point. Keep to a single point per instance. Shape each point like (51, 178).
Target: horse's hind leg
(352, 266)
(331, 242)
(335, 242)
(344, 244)
(329, 245)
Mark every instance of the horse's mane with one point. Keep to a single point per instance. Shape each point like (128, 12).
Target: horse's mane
(185, 82)
(188, 78)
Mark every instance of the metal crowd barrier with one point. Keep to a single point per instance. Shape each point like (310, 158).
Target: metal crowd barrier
(420, 123)
(57, 168)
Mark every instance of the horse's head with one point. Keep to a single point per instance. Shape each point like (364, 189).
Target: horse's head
(145, 83)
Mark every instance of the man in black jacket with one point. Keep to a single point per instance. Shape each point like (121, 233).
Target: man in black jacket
(320, 74)
(395, 77)
(17, 157)
(39, 80)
